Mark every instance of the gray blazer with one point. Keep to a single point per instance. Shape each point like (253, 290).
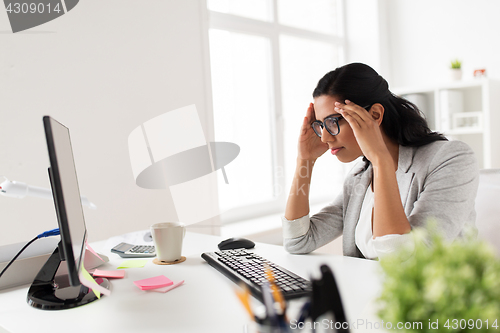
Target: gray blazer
(438, 180)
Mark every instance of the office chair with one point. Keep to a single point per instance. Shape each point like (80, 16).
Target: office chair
(488, 207)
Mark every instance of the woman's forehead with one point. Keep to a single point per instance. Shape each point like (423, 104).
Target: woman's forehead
(324, 106)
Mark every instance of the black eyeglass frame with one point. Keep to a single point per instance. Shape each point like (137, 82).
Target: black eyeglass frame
(335, 119)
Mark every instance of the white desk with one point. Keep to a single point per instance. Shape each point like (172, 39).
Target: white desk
(205, 303)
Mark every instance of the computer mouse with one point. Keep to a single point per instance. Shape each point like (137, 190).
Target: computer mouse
(236, 243)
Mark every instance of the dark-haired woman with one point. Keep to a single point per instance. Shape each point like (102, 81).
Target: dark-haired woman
(408, 175)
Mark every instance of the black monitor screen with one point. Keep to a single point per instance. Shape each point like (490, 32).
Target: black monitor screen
(66, 196)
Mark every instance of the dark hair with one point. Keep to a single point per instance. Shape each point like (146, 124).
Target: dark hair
(403, 122)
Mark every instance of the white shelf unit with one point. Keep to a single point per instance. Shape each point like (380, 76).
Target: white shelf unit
(478, 123)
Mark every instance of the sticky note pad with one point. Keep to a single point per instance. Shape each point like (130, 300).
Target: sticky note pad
(92, 250)
(109, 274)
(154, 282)
(133, 264)
(165, 289)
(88, 281)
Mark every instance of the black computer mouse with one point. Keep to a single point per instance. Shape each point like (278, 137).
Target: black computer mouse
(236, 243)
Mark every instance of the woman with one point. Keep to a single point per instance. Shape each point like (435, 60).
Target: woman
(408, 175)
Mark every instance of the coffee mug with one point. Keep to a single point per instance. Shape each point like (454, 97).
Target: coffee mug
(168, 238)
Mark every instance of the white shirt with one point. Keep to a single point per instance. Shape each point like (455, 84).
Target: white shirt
(363, 237)
(375, 248)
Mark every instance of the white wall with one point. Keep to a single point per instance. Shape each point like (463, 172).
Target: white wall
(366, 27)
(411, 42)
(362, 32)
(425, 35)
(102, 69)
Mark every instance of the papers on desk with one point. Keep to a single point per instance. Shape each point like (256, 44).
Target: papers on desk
(92, 250)
(135, 263)
(109, 274)
(160, 283)
(88, 281)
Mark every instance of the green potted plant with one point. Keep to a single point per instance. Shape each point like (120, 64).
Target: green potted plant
(444, 286)
(456, 70)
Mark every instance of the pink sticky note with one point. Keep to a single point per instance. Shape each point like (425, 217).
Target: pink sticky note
(154, 282)
(165, 289)
(88, 281)
(109, 274)
(92, 250)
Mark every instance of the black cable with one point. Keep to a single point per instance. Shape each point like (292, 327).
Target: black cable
(48, 233)
(18, 254)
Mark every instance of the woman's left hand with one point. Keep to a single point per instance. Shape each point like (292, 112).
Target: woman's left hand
(366, 128)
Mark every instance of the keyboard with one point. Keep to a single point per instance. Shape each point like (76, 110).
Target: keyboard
(247, 267)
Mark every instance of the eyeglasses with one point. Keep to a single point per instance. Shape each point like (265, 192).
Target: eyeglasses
(331, 123)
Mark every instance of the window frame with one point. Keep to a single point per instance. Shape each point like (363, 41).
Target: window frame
(272, 31)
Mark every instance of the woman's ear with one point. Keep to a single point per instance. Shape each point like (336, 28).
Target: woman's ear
(377, 112)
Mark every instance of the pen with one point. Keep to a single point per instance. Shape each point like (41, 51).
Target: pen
(244, 297)
(304, 312)
(269, 304)
(278, 296)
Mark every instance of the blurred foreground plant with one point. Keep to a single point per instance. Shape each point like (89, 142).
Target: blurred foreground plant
(447, 286)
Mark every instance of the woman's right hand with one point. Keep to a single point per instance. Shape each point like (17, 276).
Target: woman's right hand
(310, 146)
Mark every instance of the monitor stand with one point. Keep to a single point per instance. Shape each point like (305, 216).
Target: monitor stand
(48, 292)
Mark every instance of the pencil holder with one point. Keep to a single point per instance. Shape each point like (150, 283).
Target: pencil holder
(279, 325)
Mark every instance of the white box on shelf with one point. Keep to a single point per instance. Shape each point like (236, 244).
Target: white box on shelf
(468, 121)
(451, 101)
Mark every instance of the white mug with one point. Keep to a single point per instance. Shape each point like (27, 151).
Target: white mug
(168, 238)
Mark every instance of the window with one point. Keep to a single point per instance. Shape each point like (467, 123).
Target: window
(242, 94)
(266, 57)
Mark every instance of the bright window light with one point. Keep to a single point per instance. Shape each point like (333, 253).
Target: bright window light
(242, 102)
(255, 9)
(263, 73)
(303, 63)
(315, 15)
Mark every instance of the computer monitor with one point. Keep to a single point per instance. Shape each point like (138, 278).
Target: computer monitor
(48, 291)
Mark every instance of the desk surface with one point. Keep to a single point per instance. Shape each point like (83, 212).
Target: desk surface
(205, 303)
